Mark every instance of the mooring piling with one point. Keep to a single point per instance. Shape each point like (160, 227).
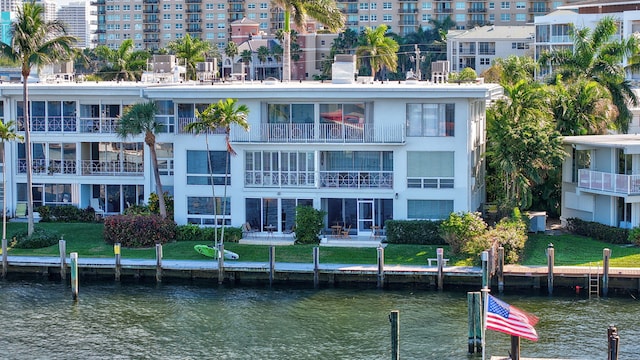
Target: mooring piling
(613, 345)
(74, 276)
(316, 267)
(272, 264)
(550, 262)
(5, 262)
(220, 263)
(606, 255)
(500, 269)
(118, 267)
(380, 259)
(159, 262)
(474, 304)
(394, 319)
(440, 263)
(62, 247)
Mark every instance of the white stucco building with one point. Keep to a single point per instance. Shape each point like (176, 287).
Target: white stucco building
(362, 153)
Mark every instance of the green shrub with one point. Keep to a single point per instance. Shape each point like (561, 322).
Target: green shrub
(137, 210)
(40, 238)
(45, 213)
(309, 224)
(192, 232)
(138, 230)
(460, 228)
(419, 232)
(609, 234)
(154, 204)
(634, 236)
(66, 213)
(511, 234)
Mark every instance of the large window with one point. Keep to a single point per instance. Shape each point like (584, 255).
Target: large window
(430, 169)
(280, 213)
(204, 210)
(430, 119)
(429, 209)
(199, 172)
(164, 152)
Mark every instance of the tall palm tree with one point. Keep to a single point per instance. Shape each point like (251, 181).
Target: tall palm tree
(247, 56)
(263, 54)
(7, 133)
(139, 119)
(125, 63)
(597, 57)
(34, 41)
(378, 50)
(325, 12)
(222, 115)
(192, 50)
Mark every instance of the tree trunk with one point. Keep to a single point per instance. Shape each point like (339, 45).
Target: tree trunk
(150, 139)
(27, 145)
(286, 48)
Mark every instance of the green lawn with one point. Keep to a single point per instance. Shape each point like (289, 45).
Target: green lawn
(87, 241)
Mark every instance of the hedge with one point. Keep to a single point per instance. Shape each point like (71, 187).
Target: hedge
(192, 232)
(138, 230)
(418, 232)
(606, 233)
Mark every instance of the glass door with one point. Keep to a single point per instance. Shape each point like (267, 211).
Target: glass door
(365, 216)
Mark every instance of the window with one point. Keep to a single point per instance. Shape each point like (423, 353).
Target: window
(374, 6)
(387, 6)
(164, 153)
(520, 45)
(220, 6)
(264, 16)
(505, 5)
(374, 18)
(126, 7)
(208, 6)
(198, 172)
(505, 17)
(166, 7)
(485, 61)
(430, 169)
(178, 16)
(492, 5)
(209, 209)
(429, 209)
(521, 17)
(460, 18)
(430, 119)
(364, 6)
(178, 6)
(460, 5)
(264, 5)
(521, 5)
(364, 17)
(356, 169)
(426, 5)
(178, 26)
(166, 16)
(251, 6)
(426, 17)
(387, 18)
(137, 7)
(221, 25)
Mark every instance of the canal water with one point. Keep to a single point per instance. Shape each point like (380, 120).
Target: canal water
(170, 321)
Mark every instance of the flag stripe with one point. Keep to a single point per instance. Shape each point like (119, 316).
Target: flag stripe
(509, 319)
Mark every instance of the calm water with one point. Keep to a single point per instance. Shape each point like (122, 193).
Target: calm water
(149, 321)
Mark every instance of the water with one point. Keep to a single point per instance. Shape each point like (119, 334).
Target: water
(148, 321)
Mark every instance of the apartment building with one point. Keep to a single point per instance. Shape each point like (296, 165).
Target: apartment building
(362, 153)
(79, 22)
(152, 24)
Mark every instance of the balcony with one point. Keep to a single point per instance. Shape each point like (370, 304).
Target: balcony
(407, 11)
(236, 10)
(151, 40)
(48, 167)
(49, 124)
(150, 1)
(98, 126)
(297, 179)
(321, 133)
(193, 1)
(444, 11)
(111, 168)
(477, 10)
(98, 2)
(194, 9)
(357, 179)
(151, 30)
(609, 182)
(539, 10)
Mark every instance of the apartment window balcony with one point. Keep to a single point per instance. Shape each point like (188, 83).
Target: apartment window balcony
(98, 125)
(100, 31)
(194, 29)
(294, 179)
(444, 11)
(152, 30)
(111, 168)
(49, 124)
(357, 179)
(477, 10)
(151, 20)
(321, 133)
(539, 10)
(98, 2)
(608, 182)
(350, 11)
(193, 1)
(467, 51)
(151, 40)
(150, 1)
(48, 167)
(407, 11)
(407, 23)
(191, 10)
(151, 11)
(236, 10)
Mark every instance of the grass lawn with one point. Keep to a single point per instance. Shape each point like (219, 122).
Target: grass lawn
(87, 241)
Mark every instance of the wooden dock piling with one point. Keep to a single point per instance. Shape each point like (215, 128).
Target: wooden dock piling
(220, 263)
(62, 247)
(118, 266)
(380, 259)
(474, 304)
(316, 267)
(159, 262)
(613, 345)
(550, 263)
(606, 255)
(272, 264)
(500, 269)
(440, 263)
(515, 347)
(5, 262)
(74, 276)
(394, 318)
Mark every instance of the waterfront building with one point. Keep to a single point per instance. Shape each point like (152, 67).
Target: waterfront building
(362, 153)
(478, 47)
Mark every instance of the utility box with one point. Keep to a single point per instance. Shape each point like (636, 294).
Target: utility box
(537, 221)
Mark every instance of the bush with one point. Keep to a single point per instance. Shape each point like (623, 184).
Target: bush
(634, 236)
(138, 230)
(419, 232)
(66, 213)
(609, 234)
(137, 210)
(192, 232)
(40, 238)
(309, 223)
(460, 228)
(154, 204)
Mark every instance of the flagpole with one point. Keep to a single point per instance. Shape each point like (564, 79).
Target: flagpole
(485, 303)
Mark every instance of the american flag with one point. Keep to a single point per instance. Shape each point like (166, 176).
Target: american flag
(509, 319)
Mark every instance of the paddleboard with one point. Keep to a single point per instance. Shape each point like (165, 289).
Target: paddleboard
(212, 252)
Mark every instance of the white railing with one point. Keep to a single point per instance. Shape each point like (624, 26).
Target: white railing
(112, 168)
(182, 122)
(279, 178)
(98, 125)
(357, 179)
(320, 133)
(609, 182)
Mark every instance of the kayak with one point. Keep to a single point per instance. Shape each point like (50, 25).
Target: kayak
(212, 252)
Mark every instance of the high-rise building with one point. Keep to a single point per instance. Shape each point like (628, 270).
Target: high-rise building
(152, 24)
(78, 20)
(49, 9)
(10, 5)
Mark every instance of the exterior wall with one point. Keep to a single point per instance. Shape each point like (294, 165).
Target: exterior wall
(385, 112)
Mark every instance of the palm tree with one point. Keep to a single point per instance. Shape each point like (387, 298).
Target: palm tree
(324, 11)
(123, 63)
(139, 119)
(192, 50)
(223, 114)
(582, 107)
(7, 133)
(34, 41)
(246, 56)
(378, 50)
(596, 57)
(263, 54)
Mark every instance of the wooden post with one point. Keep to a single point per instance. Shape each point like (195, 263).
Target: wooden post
(116, 252)
(316, 267)
(550, 262)
(440, 263)
(158, 262)
(220, 263)
(613, 345)
(5, 262)
(272, 264)
(500, 269)
(478, 319)
(380, 267)
(515, 347)
(606, 255)
(485, 269)
(74, 276)
(62, 246)
(394, 318)
(472, 328)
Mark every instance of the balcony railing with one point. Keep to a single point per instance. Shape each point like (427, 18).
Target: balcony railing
(88, 167)
(280, 179)
(357, 179)
(98, 125)
(51, 123)
(609, 182)
(321, 133)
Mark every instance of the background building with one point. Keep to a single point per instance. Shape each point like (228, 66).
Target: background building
(79, 21)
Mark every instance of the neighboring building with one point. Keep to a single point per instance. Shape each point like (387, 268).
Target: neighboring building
(10, 5)
(49, 9)
(5, 27)
(601, 179)
(552, 31)
(78, 20)
(478, 47)
(362, 153)
(153, 24)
